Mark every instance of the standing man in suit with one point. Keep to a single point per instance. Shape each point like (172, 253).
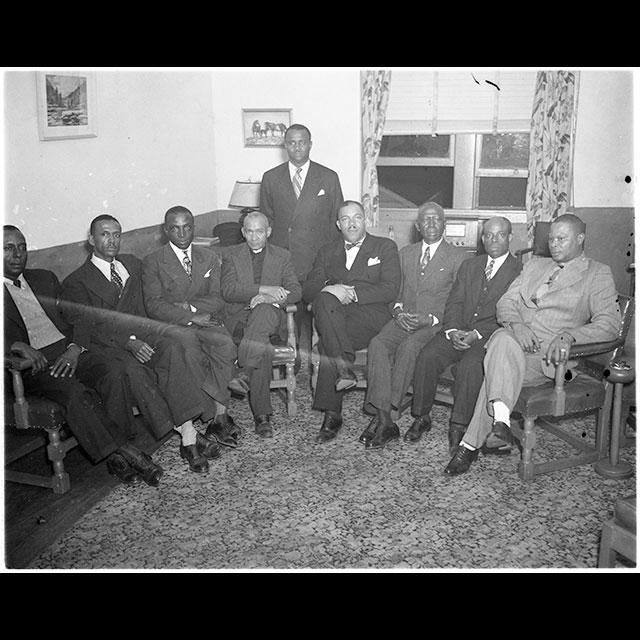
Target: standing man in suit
(132, 364)
(301, 199)
(257, 282)
(429, 269)
(469, 321)
(35, 329)
(181, 288)
(552, 304)
(351, 287)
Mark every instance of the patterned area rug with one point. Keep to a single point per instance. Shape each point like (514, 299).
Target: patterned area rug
(287, 503)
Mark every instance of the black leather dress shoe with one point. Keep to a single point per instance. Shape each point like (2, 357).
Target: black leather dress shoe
(502, 431)
(263, 426)
(197, 462)
(118, 466)
(370, 431)
(148, 470)
(223, 430)
(461, 461)
(346, 379)
(208, 449)
(455, 438)
(330, 427)
(240, 384)
(384, 434)
(422, 424)
(503, 450)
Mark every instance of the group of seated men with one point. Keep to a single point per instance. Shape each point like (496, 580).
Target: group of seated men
(176, 333)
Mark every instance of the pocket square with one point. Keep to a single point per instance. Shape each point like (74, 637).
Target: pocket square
(206, 275)
(321, 192)
(373, 261)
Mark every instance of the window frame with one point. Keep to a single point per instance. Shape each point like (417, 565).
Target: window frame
(449, 161)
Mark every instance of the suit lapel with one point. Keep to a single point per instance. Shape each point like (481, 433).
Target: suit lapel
(310, 187)
(244, 266)
(96, 282)
(270, 266)
(11, 312)
(173, 268)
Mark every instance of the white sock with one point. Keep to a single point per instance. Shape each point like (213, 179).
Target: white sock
(467, 446)
(188, 433)
(501, 412)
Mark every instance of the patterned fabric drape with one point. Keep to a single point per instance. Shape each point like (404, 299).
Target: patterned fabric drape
(550, 155)
(375, 97)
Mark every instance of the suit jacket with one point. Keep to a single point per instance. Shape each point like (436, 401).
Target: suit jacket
(46, 287)
(429, 293)
(375, 273)
(238, 286)
(302, 225)
(581, 300)
(472, 301)
(100, 318)
(164, 282)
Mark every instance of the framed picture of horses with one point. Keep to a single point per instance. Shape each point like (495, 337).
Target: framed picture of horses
(265, 127)
(66, 105)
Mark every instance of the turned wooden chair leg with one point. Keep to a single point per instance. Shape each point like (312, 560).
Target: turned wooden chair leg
(606, 556)
(526, 466)
(292, 407)
(60, 481)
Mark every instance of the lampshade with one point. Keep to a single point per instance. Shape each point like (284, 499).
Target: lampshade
(245, 194)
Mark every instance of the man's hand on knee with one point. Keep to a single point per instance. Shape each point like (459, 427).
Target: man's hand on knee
(525, 337)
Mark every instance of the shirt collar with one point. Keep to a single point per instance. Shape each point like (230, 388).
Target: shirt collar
(23, 282)
(180, 252)
(432, 247)
(303, 173)
(498, 262)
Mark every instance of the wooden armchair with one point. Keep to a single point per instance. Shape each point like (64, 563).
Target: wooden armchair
(33, 412)
(284, 358)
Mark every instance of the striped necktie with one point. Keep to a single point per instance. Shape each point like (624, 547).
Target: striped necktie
(543, 289)
(186, 263)
(297, 182)
(116, 279)
(489, 270)
(425, 260)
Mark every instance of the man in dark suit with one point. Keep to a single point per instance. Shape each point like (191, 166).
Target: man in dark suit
(35, 329)
(132, 364)
(351, 287)
(469, 321)
(257, 282)
(429, 269)
(181, 288)
(301, 199)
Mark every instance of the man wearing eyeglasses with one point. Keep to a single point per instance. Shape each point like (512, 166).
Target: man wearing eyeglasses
(301, 199)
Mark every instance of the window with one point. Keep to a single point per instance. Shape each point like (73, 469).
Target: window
(465, 171)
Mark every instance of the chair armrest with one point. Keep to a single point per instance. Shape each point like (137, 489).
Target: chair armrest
(521, 252)
(595, 348)
(17, 363)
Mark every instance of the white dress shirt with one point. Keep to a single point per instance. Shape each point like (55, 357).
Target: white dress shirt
(105, 268)
(180, 255)
(303, 173)
(352, 253)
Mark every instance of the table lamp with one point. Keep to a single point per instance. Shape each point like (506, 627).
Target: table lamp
(245, 195)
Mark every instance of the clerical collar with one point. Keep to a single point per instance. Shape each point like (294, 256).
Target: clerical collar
(258, 251)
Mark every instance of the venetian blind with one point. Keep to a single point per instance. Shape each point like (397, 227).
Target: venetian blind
(426, 102)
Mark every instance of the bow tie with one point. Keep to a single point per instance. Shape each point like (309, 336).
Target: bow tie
(349, 245)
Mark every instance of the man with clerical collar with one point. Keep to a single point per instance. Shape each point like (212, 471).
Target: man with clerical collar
(552, 304)
(134, 364)
(257, 282)
(35, 329)
(181, 287)
(350, 287)
(469, 321)
(429, 269)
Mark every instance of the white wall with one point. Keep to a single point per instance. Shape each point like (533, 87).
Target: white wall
(604, 145)
(326, 101)
(154, 149)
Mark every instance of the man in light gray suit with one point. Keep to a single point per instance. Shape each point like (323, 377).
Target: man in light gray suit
(552, 304)
(429, 269)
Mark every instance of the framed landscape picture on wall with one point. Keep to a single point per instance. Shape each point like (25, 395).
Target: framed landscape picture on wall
(67, 105)
(265, 127)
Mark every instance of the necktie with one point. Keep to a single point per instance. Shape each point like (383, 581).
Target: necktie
(116, 279)
(425, 260)
(17, 283)
(489, 270)
(186, 263)
(545, 286)
(297, 182)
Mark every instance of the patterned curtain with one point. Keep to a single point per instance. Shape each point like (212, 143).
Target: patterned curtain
(375, 96)
(550, 155)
